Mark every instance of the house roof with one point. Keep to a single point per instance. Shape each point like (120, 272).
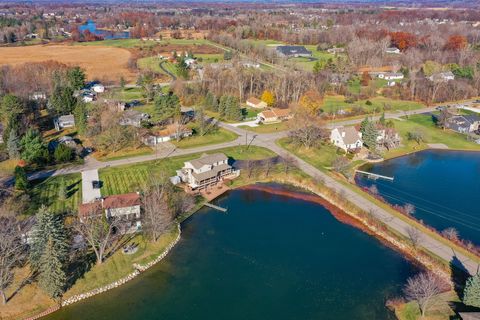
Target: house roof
(393, 74)
(464, 122)
(292, 50)
(66, 118)
(170, 130)
(211, 173)
(89, 209)
(377, 69)
(254, 100)
(351, 134)
(275, 113)
(208, 160)
(121, 201)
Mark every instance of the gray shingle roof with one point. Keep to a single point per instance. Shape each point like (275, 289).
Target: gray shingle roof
(208, 160)
(292, 50)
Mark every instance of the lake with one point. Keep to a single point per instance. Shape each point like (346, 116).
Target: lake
(107, 35)
(442, 185)
(268, 257)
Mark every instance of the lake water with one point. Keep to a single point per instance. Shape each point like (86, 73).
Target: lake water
(269, 257)
(444, 186)
(92, 27)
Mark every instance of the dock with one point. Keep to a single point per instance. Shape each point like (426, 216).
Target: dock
(208, 204)
(374, 175)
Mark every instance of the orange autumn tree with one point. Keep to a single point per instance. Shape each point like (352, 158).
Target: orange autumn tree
(311, 101)
(456, 42)
(268, 98)
(365, 79)
(403, 40)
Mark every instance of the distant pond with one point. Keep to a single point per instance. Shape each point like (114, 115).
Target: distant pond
(106, 34)
(268, 257)
(444, 187)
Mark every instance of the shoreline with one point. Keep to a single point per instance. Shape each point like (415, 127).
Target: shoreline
(337, 210)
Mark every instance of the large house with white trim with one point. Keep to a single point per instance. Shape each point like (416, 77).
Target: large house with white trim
(346, 138)
(206, 171)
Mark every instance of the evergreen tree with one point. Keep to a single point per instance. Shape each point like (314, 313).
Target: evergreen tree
(471, 293)
(222, 106)
(382, 119)
(13, 145)
(317, 67)
(62, 100)
(63, 153)
(233, 111)
(21, 180)
(369, 134)
(200, 119)
(80, 114)
(48, 227)
(76, 78)
(182, 68)
(211, 102)
(52, 277)
(167, 106)
(33, 147)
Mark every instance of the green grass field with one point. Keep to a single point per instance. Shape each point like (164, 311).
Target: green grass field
(307, 64)
(45, 192)
(218, 136)
(209, 58)
(320, 157)
(268, 128)
(379, 104)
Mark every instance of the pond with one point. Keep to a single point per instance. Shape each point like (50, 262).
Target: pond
(442, 185)
(268, 257)
(105, 34)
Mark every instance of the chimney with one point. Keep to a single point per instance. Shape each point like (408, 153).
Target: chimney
(343, 134)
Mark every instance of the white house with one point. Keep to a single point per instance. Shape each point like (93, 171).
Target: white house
(346, 138)
(67, 121)
(392, 76)
(442, 76)
(170, 132)
(122, 206)
(392, 50)
(206, 171)
(98, 88)
(88, 97)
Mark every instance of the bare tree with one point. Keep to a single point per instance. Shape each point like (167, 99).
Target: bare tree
(12, 252)
(423, 288)
(157, 215)
(288, 162)
(100, 233)
(451, 234)
(409, 209)
(267, 166)
(414, 236)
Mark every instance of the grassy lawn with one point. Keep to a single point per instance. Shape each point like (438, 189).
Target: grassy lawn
(440, 311)
(7, 167)
(153, 64)
(378, 104)
(45, 192)
(123, 153)
(268, 128)
(118, 43)
(218, 136)
(306, 63)
(209, 58)
(320, 157)
(127, 94)
(432, 134)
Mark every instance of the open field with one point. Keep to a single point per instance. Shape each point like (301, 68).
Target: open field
(106, 64)
(218, 136)
(268, 128)
(378, 104)
(307, 63)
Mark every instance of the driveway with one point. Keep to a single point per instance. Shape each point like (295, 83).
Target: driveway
(89, 194)
(252, 123)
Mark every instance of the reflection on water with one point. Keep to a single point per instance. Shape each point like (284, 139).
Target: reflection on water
(268, 257)
(105, 34)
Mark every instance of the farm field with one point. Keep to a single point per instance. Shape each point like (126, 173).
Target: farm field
(107, 64)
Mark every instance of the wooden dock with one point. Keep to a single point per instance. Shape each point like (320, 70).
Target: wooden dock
(374, 175)
(208, 204)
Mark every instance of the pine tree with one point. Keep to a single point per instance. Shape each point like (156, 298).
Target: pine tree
(48, 226)
(222, 106)
(317, 67)
(13, 145)
(382, 119)
(33, 147)
(80, 114)
(233, 111)
(21, 180)
(76, 78)
(369, 134)
(211, 102)
(52, 277)
(471, 293)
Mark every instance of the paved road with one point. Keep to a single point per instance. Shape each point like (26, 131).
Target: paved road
(268, 141)
(162, 66)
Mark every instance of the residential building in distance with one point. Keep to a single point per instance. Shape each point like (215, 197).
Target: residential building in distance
(126, 207)
(170, 132)
(293, 51)
(274, 115)
(133, 118)
(391, 76)
(208, 170)
(336, 50)
(62, 122)
(463, 123)
(392, 50)
(346, 138)
(256, 103)
(442, 76)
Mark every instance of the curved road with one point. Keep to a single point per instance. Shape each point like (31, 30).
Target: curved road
(268, 141)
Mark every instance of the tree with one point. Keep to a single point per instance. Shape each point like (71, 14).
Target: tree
(62, 190)
(381, 120)
(12, 251)
(13, 145)
(182, 68)
(99, 232)
(414, 235)
(166, 106)
(157, 215)
(456, 42)
(145, 81)
(80, 114)
(62, 100)
(403, 40)
(227, 55)
(311, 102)
(122, 82)
(416, 135)
(21, 180)
(232, 110)
(317, 67)
(211, 102)
(369, 133)
(341, 165)
(423, 288)
(471, 293)
(451, 234)
(33, 147)
(63, 153)
(52, 277)
(365, 79)
(306, 129)
(76, 78)
(268, 98)
(48, 228)
(443, 118)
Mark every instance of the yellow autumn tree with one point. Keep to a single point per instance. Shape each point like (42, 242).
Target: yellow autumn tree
(311, 101)
(268, 98)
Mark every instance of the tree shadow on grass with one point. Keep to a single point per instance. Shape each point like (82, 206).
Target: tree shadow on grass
(79, 267)
(459, 276)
